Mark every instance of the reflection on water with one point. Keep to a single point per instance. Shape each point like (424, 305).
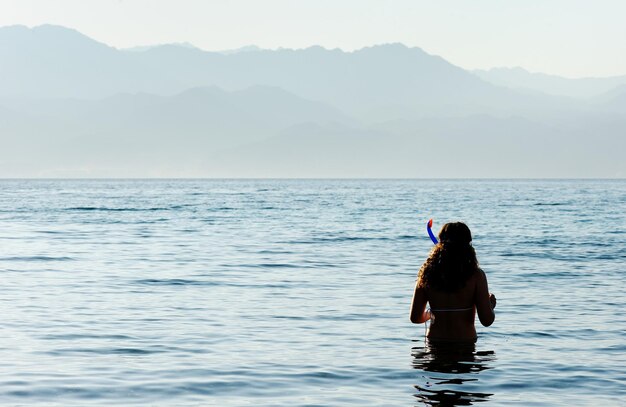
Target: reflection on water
(450, 373)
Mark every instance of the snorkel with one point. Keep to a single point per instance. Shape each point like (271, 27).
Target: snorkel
(429, 225)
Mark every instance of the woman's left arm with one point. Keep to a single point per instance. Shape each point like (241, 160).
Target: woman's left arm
(419, 315)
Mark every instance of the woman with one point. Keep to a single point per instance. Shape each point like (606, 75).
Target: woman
(454, 286)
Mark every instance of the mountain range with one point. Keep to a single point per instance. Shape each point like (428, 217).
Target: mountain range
(71, 106)
(522, 80)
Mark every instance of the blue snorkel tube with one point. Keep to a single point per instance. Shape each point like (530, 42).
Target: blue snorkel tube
(430, 232)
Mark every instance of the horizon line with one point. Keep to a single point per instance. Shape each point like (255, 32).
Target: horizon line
(311, 179)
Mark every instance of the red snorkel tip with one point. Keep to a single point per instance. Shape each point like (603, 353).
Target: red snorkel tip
(429, 225)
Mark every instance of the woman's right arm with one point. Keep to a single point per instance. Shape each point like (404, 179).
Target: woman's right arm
(485, 302)
(419, 314)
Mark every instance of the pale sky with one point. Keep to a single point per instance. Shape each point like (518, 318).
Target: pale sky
(574, 38)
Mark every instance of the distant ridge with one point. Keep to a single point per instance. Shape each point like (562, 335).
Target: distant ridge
(521, 79)
(74, 107)
(372, 82)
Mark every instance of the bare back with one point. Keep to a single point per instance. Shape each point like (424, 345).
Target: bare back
(453, 313)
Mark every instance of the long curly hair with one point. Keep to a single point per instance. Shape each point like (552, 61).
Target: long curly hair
(451, 262)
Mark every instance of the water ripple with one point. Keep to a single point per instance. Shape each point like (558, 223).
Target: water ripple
(296, 292)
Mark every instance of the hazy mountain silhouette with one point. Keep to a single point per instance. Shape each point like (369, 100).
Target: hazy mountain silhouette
(612, 101)
(50, 61)
(71, 106)
(149, 129)
(520, 79)
(374, 83)
(474, 147)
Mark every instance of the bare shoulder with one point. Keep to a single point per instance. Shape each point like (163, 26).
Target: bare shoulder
(477, 278)
(480, 276)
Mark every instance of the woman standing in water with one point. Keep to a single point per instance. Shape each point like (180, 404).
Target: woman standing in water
(451, 282)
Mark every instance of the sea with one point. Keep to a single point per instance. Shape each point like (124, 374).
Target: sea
(297, 293)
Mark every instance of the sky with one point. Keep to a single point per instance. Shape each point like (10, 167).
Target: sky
(572, 38)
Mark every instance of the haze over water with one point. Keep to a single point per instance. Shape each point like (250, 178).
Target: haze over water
(288, 292)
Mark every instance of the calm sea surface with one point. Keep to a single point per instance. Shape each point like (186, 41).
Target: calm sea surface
(218, 292)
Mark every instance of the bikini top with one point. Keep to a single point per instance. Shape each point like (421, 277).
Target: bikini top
(450, 309)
